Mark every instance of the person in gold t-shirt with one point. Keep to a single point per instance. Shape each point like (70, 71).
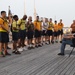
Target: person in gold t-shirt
(56, 32)
(60, 30)
(50, 31)
(73, 26)
(4, 34)
(38, 28)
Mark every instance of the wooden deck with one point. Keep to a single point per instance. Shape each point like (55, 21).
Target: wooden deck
(41, 61)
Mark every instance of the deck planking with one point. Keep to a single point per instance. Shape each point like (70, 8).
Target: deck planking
(39, 61)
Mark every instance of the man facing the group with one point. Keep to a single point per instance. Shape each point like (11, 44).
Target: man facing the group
(67, 39)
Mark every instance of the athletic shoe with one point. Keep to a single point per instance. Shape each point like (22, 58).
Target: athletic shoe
(8, 47)
(2, 55)
(17, 52)
(62, 54)
(52, 42)
(13, 51)
(24, 48)
(8, 54)
(25, 45)
(39, 45)
(49, 42)
(56, 41)
(29, 48)
(36, 46)
(33, 47)
(60, 41)
(20, 49)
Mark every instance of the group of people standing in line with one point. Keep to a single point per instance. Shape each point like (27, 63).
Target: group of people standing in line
(41, 31)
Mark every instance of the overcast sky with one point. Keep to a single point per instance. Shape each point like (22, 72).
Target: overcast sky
(64, 9)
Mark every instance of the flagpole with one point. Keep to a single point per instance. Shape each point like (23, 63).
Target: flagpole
(34, 11)
(8, 10)
(10, 15)
(24, 7)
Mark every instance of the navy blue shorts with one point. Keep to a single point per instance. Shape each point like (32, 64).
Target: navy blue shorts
(15, 36)
(60, 32)
(50, 32)
(44, 33)
(37, 34)
(73, 31)
(56, 34)
(22, 34)
(30, 34)
(4, 37)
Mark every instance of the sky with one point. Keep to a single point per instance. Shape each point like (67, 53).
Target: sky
(56, 9)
